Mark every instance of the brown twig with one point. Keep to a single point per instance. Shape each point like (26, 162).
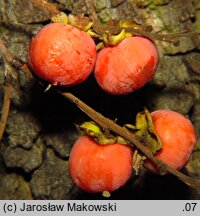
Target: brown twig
(5, 53)
(9, 61)
(7, 89)
(51, 8)
(12, 60)
(111, 125)
(171, 38)
(92, 11)
(101, 29)
(9, 57)
(5, 109)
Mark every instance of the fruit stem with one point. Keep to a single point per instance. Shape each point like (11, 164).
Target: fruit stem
(100, 29)
(171, 38)
(111, 125)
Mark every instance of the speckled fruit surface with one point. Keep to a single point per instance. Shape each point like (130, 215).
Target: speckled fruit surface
(98, 168)
(127, 66)
(178, 138)
(62, 54)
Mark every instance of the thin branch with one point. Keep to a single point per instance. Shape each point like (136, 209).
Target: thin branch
(5, 109)
(111, 125)
(51, 8)
(92, 11)
(7, 89)
(101, 29)
(10, 61)
(171, 38)
(5, 53)
(9, 57)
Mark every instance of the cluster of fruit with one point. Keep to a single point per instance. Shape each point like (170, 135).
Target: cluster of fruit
(99, 168)
(65, 56)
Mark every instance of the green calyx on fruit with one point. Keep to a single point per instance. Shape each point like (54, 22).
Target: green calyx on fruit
(60, 18)
(115, 31)
(138, 161)
(81, 22)
(112, 40)
(144, 129)
(90, 128)
(103, 138)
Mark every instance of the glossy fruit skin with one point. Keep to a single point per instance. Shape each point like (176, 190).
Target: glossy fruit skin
(127, 66)
(62, 54)
(178, 138)
(98, 168)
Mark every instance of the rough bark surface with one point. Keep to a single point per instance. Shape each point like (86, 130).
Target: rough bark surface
(40, 129)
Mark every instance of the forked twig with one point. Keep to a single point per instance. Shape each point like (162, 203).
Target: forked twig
(9, 61)
(101, 28)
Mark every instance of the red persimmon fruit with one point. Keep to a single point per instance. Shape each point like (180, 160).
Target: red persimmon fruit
(62, 54)
(99, 168)
(127, 66)
(178, 138)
